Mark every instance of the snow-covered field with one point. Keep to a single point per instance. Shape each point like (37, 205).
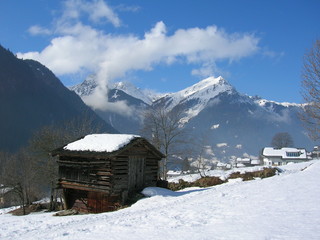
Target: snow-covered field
(286, 206)
(223, 174)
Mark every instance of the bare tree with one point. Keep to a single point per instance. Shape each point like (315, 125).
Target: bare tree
(311, 90)
(281, 140)
(3, 159)
(164, 130)
(19, 175)
(204, 155)
(186, 165)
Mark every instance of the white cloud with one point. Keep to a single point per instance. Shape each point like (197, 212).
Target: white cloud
(79, 47)
(126, 8)
(38, 30)
(100, 10)
(97, 10)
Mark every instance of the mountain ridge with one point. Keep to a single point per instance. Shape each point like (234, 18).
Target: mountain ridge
(89, 84)
(235, 124)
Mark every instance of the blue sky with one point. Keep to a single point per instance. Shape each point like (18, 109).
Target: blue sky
(165, 45)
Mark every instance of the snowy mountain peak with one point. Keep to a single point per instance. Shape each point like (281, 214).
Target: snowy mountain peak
(86, 87)
(200, 94)
(202, 91)
(208, 83)
(89, 84)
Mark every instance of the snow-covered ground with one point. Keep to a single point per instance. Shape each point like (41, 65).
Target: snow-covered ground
(223, 174)
(286, 206)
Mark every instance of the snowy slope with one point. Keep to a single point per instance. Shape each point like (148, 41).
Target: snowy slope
(264, 103)
(282, 207)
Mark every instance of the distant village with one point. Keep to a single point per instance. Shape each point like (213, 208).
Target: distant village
(269, 156)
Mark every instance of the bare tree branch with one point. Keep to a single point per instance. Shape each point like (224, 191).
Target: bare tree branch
(163, 129)
(311, 91)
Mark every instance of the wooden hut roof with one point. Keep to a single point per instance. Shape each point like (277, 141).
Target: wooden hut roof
(104, 144)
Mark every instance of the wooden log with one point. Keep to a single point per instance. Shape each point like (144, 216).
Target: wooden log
(121, 169)
(120, 186)
(152, 163)
(68, 163)
(121, 177)
(119, 165)
(116, 172)
(85, 187)
(104, 178)
(151, 172)
(104, 183)
(151, 169)
(152, 166)
(103, 173)
(122, 181)
(120, 161)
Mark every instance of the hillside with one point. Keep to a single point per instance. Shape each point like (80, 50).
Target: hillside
(281, 207)
(32, 97)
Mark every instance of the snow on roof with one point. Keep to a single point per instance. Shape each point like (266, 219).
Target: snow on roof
(220, 145)
(101, 142)
(291, 153)
(239, 165)
(220, 164)
(243, 160)
(255, 162)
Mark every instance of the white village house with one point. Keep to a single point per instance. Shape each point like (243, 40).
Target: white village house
(315, 154)
(282, 156)
(244, 162)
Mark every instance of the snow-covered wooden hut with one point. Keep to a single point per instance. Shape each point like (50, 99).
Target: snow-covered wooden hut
(100, 171)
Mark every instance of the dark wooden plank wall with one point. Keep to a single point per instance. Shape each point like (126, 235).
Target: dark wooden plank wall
(113, 175)
(120, 169)
(136, 174)
(85, 173)
(151, 172)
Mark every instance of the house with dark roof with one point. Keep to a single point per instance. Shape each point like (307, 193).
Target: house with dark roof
(282, 156)
(101, 171)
